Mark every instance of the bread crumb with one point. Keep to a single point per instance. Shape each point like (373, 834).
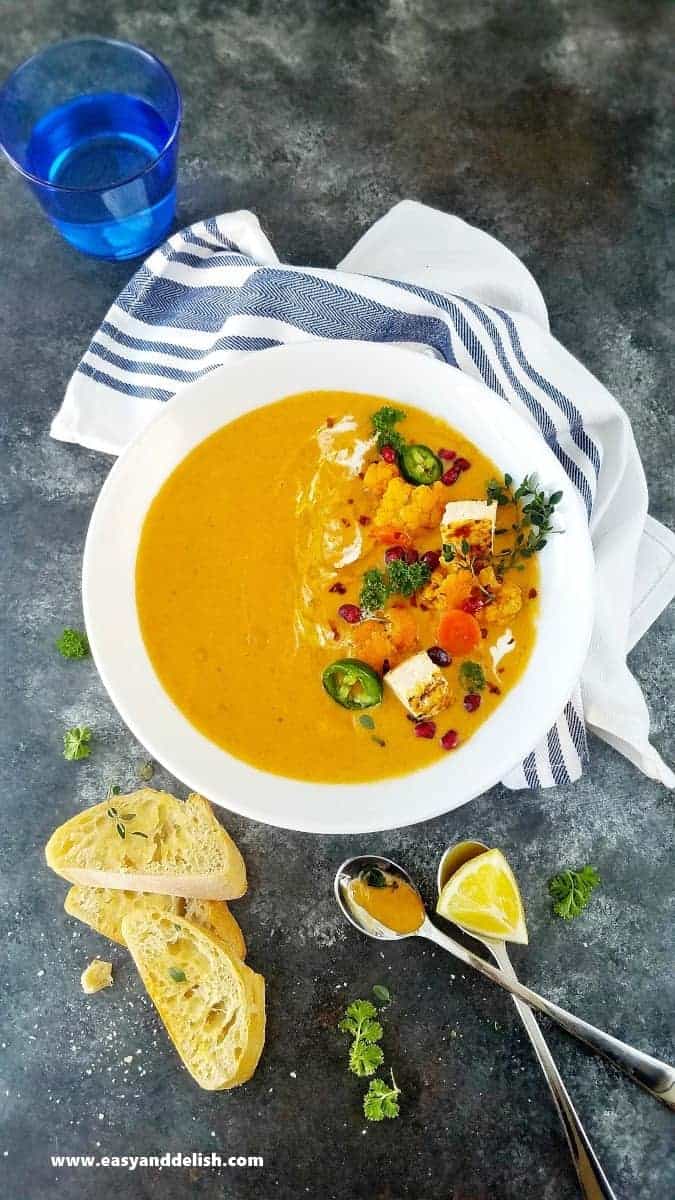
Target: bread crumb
(96, 976)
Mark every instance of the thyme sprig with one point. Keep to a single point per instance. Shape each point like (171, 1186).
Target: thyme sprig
(536, 511)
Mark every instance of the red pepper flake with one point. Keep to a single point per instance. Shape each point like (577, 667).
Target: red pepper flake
(350, 500)
(335, 631)
(330, 421)
(492, 687)
(450, 739)
(345, 522)
(364, 520)
(338, 587)
(462, 531)
(532, 593)
(483, 632)
(386, 666)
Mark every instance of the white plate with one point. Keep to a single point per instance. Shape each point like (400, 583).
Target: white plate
(524, 716)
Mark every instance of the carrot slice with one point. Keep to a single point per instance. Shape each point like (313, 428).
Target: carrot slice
(389, 536)
(459, 632)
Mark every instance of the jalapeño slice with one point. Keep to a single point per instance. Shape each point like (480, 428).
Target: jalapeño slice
(352, 683)
(419, 464)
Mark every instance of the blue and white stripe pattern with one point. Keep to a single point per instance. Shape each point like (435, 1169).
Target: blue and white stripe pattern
(199, 298)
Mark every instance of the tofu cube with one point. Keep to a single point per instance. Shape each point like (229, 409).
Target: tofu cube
(472, 521)
(420, 686)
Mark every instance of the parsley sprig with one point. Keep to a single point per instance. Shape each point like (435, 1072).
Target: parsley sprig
(380, 1100)
(398, 579)
(571, 891)
(534, 525)
(384, 423)
(72, 644)
(365, 1056)
(76, 743)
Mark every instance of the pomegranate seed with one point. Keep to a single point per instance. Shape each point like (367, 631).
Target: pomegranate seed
(364, 520)
(450, 739)
(439, 656)
(338, 587)
(388, 454)
(448, 455)
(451, 476)
(410, 556)
(462, 464)
(431, 559)
(351, 613)
(532, 593)
(425, 729)
(472, 702)
(394, 553)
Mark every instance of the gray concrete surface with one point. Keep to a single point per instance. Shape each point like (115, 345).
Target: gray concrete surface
(546, 124)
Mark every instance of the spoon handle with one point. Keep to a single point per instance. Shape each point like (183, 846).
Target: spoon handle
(592, 1179)
(655, 1076)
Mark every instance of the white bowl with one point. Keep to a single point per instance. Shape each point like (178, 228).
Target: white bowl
(524, 716)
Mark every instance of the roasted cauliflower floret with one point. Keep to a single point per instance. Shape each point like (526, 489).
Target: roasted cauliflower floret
(447, 589)
(408, 508)
(377, 476)
(391, 639)
(508, 601)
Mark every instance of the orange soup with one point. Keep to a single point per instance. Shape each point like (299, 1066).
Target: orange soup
(331, 589)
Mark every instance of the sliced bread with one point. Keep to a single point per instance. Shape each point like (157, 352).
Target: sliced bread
(148, 841)
(104, 909)
(212, 1004)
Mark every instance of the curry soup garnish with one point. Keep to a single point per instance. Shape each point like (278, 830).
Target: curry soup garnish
(310, 562)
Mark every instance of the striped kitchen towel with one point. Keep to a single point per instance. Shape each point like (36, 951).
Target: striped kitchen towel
(426, 280)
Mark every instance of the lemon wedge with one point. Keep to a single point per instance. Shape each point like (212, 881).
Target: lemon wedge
(482, 896)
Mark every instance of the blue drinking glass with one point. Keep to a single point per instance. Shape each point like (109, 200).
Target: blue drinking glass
(92, 125)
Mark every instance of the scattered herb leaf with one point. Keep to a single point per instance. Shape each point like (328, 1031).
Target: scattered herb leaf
(367, 721)
(378, 740)
(121, 830)
(571, 891)
(374, 877)
(113, 790)
(472, 676)
(73, 644)
(365, 1058)
(384, 423)
(177, 975)
(139, 833)
(76, 743)
(381, 1101)
(146, 770)
(381, 993)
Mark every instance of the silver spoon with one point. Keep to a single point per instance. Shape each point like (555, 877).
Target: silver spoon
(656, 1077)
(592, 1179)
